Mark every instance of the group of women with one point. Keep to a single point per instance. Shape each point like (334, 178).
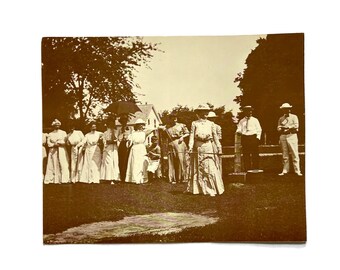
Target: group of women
(124, 156)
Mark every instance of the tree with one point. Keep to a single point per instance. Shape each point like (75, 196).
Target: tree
(78, 74)
(274, 75)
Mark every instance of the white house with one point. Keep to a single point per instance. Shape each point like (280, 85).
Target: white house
(149, 114)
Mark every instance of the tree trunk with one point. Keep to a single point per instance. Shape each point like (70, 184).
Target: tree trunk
(80, 99)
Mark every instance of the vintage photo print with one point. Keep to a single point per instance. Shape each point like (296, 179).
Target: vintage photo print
(173, 139)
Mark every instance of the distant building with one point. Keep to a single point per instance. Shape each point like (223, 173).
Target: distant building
(149, 115)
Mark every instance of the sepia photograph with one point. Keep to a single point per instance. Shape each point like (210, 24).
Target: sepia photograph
(173, 139)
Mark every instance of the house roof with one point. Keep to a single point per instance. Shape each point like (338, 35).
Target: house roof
(143, 114)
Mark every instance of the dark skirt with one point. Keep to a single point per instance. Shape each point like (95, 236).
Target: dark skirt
(123, 156)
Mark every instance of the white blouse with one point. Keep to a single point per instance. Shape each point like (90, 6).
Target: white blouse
(57, 136)
(203, 130)
(75, 137)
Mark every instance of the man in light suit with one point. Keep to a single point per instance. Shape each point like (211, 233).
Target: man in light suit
(288, 127)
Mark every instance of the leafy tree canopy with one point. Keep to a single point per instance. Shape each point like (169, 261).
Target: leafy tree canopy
(81, 74)
(274, 75)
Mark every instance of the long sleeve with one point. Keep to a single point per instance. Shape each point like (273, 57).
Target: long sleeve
(295, 122)
(44, 139)
(81, 135)
(185, 131)
(215, 138)
(192, 135)
(104, 139)
(83, 142)
(50, 143)
(219, 132)
(258, 129)
(239, 126)
(63, 138)
(279, 127)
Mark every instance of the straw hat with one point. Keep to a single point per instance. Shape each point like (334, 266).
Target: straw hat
(140, 121)
(286, 106)
(56, 122)
(212, 115)
(203, 107)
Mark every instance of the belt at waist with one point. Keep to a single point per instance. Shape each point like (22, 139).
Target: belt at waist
(244, 135)
(288, 133)
(204, 141)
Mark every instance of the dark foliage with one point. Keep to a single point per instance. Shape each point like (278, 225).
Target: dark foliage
(186, 115)
(80, 73)
(274, 75)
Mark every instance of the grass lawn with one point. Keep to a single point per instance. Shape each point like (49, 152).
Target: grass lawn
(268, 208)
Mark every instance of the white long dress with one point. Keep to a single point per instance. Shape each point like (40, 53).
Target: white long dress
(90, 172)
(138, 161)
(205, 176)
(109, 168)
(57, 170)
(74, 138)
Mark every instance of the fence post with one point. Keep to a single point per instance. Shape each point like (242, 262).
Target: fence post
(237, 158)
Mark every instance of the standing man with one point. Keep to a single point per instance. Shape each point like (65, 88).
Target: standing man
(288, 126)
(250, 130)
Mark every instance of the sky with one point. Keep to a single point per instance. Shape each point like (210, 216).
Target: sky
(194, 70)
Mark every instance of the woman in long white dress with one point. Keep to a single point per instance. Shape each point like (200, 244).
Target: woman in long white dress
(90, 172)
(138, 161)
(205, 176)
(109, 170)
(57, 170)
(73, 139)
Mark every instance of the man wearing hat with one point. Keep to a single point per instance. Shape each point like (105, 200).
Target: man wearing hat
(250, 130)
(288, 127)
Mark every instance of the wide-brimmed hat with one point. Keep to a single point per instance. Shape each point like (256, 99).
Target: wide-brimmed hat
(212, 115)
(140, 121)
(203, 107)
(56, 122)
(247, 108)
(286, 106)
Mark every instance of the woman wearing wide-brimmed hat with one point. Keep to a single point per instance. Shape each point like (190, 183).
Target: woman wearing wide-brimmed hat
(205, 176)
(57, 170)
(138, 161)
